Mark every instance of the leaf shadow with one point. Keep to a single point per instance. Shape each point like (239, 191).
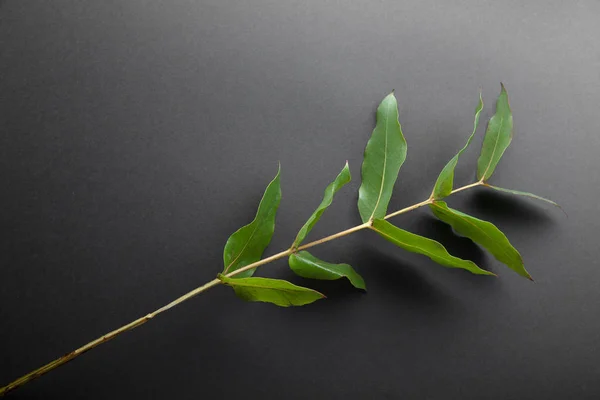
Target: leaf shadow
(509, 208)
(456, 245)
(391, 275)
(340, 290)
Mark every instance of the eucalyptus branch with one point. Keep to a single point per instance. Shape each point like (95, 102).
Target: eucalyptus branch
(384, 155)
(140, 321)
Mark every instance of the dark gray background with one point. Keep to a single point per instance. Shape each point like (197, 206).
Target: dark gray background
(137, 136)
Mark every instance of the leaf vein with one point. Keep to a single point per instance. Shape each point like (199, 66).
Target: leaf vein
(411, 246)
(243, 248)
(494, 150)
(319, 266)
(385, 155)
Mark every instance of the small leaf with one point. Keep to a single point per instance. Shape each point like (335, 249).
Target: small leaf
(519, 193)
(498, 136)
(248, 243)
(308, 266)
(443, 185)
(422, 245)
(340, 180)
(275, 291)
(483, 233)
(384, 155)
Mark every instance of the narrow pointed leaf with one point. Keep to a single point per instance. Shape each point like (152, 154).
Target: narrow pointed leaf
(384, 155)
(498, 136)
(308, 266)
(483, 233)
(248, 243)
(422, 245)
(340, 180)
(520, 193)
(443, 185)
(275, 291)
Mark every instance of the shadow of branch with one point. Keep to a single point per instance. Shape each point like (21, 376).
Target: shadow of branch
(509, 208)
(456, 245)
(392, 275)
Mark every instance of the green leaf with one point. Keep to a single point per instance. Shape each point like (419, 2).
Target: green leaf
(276, 291)
(422, 245)
(483, 233)
(498, 136)
(443, 185)
(308, 266)
(519, 193)
(340, 180)
(248, 243)
(384, 155)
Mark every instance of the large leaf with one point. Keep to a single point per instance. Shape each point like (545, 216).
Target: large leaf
(498, 136)
(483, 233)
(276, 291)
(384, 155)
(422, 245)
(520, 193)
(248, 243)
(340, 180)
(443, 185)
(308, 266)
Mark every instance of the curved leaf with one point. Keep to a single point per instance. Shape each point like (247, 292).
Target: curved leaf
(443, 185)
(384, 155)
(306, 265)
(422, 245)
(520, 193)
(342, 178)
(498, 136)
(275, 291)
(483, 233)
(247, 244)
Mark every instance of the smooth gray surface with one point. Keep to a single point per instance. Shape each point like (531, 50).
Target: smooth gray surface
(136, 136)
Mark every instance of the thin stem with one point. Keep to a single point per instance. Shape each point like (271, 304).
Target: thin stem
(460, 189)
(103, 339)
(407, 209)
(140, 321)
(261, 262)
(335, 236)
